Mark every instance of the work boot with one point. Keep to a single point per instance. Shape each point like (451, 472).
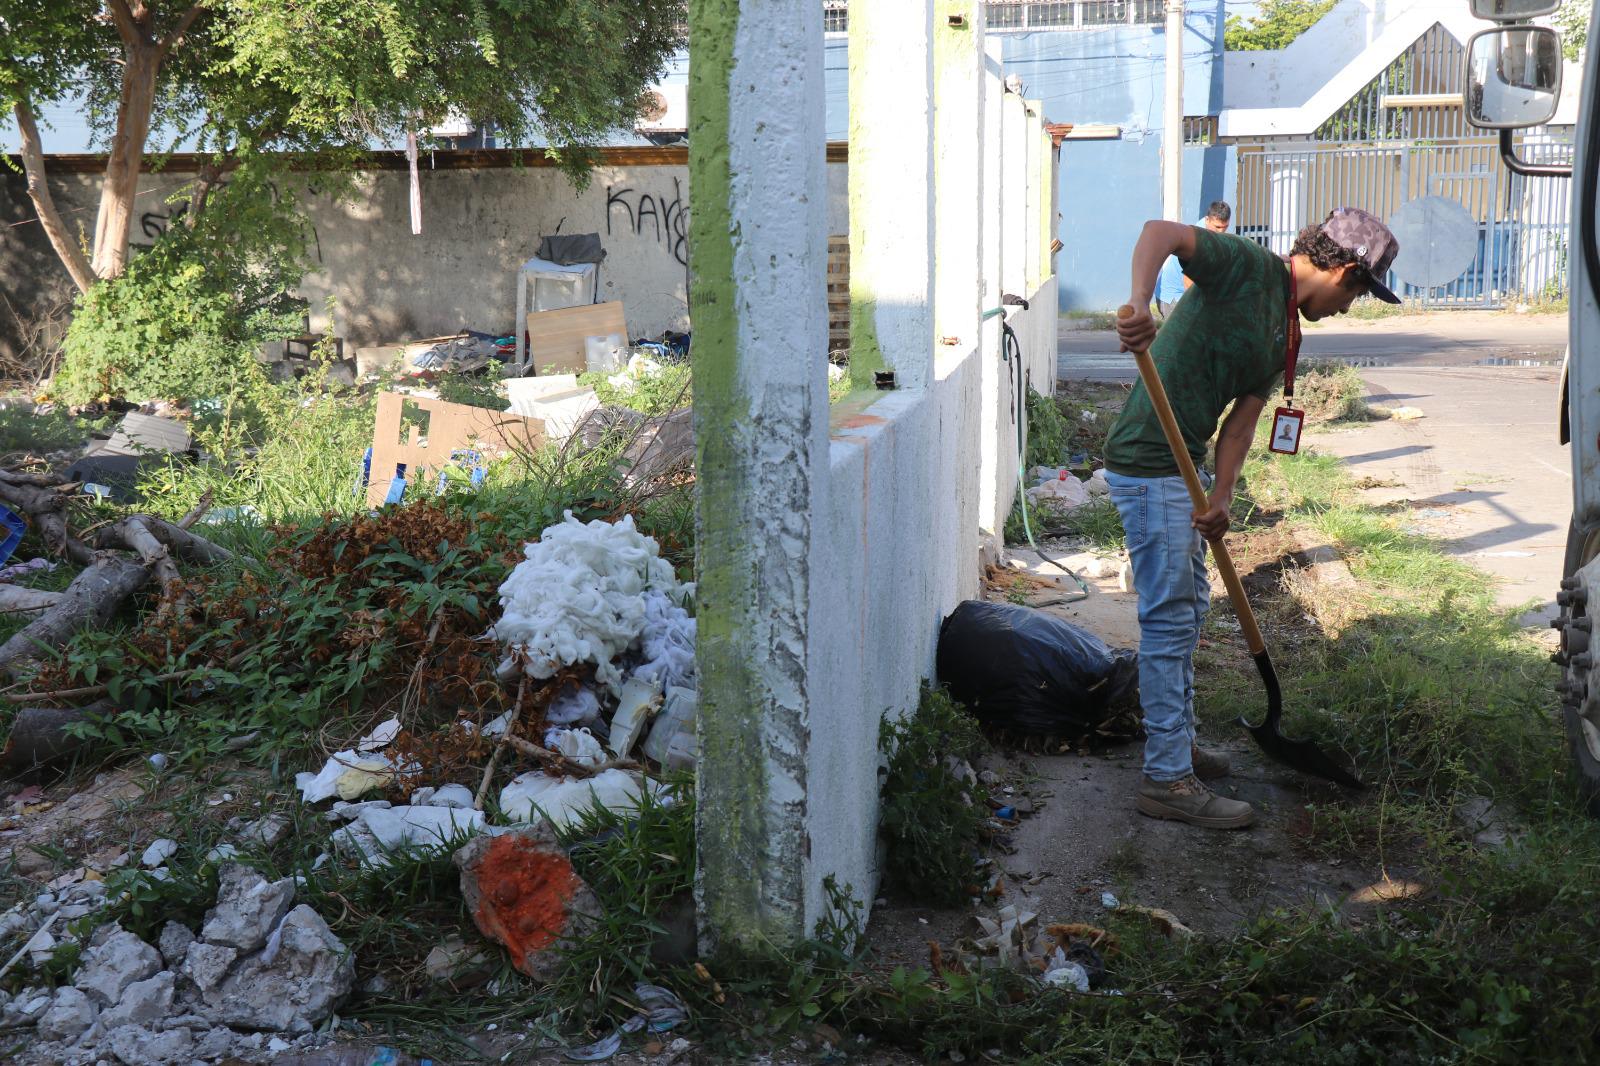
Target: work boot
(1208, 765)
(1189, 800)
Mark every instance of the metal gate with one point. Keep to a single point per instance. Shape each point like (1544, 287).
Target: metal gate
(1401, 138)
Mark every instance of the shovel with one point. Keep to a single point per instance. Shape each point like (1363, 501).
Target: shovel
(1302, 755)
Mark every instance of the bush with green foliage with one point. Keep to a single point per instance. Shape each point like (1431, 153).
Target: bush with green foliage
(930, 817)
(187, 317)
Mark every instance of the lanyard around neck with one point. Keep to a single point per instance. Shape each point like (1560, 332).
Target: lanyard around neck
(1293, 355)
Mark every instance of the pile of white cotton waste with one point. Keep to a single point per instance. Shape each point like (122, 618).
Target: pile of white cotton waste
(588, 593)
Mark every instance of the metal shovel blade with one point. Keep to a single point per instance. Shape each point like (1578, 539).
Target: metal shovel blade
(1300, 755)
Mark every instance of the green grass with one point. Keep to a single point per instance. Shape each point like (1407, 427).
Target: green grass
(1094, 319)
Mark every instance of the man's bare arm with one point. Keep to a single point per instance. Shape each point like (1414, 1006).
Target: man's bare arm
(1233, 444)
(1157, 241)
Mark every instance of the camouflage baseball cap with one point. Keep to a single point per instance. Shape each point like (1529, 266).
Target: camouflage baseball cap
(1364, 234)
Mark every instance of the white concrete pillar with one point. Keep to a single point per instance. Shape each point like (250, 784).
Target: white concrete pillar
(758, 250)
(996, 391)
(959, 163)
(1013, 196)
(891, 191)
(1032, 109)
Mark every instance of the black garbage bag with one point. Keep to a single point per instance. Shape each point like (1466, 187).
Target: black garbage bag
(1031, 673)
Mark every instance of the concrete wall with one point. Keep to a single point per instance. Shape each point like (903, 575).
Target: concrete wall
(478, 225)
(884, 526)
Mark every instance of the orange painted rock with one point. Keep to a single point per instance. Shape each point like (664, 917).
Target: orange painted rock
(523, 893)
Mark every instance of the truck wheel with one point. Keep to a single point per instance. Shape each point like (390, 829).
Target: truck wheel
(1580, 709)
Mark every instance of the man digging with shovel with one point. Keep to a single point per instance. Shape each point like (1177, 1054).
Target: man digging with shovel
(1230, 339)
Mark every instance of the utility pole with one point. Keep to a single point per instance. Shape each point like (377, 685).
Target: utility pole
(1172, 131)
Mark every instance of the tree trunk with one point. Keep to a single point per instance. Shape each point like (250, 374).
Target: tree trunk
(44, 204)
(39, 734)
(143, 63)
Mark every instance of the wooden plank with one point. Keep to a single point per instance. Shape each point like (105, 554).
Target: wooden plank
(555, 338)
(838, 293)
(421, 433)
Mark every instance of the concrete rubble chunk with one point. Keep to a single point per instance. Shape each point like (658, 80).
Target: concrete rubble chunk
(115, 963)
(69, 1015)
(458, 963)
(523, 893)
(135, 1045)
(145, 1002)
(207, 964)
(265, 831)
(215, 1044)
(248, 908)
(174, 942)
(291, 986)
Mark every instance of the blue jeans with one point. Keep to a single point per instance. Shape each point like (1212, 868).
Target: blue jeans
(1169, 574)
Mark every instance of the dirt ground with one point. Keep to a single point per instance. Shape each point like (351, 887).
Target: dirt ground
(1086, 838)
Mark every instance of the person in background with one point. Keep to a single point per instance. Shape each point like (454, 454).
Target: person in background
(1172, 282)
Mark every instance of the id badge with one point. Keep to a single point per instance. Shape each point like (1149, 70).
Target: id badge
(1286, 426)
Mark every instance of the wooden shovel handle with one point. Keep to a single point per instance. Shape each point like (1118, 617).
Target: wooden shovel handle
(1197, 492)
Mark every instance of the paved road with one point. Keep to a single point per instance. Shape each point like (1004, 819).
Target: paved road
(1482, 471)
(1461, 338)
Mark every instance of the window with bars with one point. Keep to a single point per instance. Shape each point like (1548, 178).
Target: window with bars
(835, 16)
(1200, 129)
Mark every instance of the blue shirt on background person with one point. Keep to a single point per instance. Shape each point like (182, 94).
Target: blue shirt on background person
(1171, 283)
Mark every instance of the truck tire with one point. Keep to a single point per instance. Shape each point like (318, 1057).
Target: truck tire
(1583, 737)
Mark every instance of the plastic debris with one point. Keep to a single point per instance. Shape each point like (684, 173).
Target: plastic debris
(639, 700)
(381, 737)
(158, 852)
(672, 741)
(663, 1009)
(1108, 901)
(346, 774)
(667, 643)
(579, 595)
(571, 707)
(563, 800)
(579, 745)
(1063, 973)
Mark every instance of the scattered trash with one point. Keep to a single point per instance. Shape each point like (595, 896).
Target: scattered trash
(1063, 973)
(1033, 673)
(1165, 921)
(672, 742)
(578, 745)
(1108, 901)
(347, 775)
(571, 706)
(639, 700)
(158, 852)
(579, 596)
(1388, 891)
(32, 566)
(563, 800)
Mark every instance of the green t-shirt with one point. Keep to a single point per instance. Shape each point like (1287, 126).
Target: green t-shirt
(1227, 338)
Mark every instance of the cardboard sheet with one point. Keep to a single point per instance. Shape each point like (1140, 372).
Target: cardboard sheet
(555, 338)
(422, 433)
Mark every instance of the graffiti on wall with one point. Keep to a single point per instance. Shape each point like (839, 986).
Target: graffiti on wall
(654, 217)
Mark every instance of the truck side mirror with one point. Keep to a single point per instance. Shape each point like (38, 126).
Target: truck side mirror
(1512, 10)
(1513, 77)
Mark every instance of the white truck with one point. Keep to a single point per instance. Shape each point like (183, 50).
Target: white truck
(1513, 82)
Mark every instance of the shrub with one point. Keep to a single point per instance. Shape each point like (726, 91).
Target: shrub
(187, 316)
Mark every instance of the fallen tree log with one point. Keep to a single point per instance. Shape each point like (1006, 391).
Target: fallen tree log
(15, 598)
(39, 734)
(92, 598)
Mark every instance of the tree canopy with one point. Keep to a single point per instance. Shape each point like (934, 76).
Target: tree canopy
(1275, 25)
(249, 76)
